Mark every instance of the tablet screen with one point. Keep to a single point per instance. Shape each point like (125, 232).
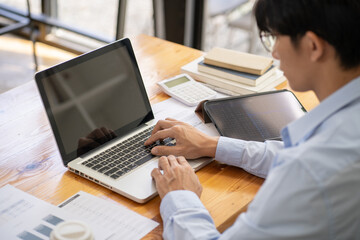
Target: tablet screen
(256, 117)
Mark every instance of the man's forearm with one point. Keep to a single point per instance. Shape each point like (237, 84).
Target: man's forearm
(253, 157)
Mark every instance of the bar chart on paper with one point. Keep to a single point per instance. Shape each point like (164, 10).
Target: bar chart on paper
(23, 216)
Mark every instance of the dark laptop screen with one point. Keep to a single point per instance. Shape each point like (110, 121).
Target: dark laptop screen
(94, 98)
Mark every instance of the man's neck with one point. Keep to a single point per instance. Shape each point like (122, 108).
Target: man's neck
(334, 78)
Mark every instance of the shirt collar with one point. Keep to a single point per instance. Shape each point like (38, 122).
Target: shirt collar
(303, 127)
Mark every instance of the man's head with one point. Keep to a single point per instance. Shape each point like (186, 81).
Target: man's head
(335, 21)
(316, 30)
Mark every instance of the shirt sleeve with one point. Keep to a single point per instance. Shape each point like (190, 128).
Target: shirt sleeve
(290, 209)
(185, 217)
(254, 157)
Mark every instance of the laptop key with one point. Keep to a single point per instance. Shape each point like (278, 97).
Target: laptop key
(142, 154)
(105, 163)
(144, 159)
(127, 162)
(111, 171)
(102, 170)
(98, 166)
(95, 161)
(132, 165)
(115, 176)
(121, 164)
(120, 172)
(120, 154)
(111, 165)
(122, 159)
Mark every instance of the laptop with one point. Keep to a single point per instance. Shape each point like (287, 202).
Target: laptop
(100, 115)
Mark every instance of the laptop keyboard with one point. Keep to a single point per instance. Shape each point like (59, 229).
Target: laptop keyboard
(125, 156)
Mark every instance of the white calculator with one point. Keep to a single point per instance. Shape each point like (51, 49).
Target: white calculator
(185, 89)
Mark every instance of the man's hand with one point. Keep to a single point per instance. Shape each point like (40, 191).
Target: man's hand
(177, 175)
(190, 142)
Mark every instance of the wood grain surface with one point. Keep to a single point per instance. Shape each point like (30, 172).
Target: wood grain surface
(30, 161)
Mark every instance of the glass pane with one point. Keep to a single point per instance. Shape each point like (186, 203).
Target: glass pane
(139, 18)
(81, 43)
(21, 4)
(99, 18)
(96, 16)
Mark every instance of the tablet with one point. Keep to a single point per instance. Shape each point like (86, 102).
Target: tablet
(255, 117)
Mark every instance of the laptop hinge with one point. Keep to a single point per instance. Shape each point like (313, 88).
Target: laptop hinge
(151, 122)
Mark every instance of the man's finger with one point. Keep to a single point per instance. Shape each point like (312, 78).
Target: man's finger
(164, 150)
(160, 135)
(182, 161)
(172, 160)
(171, 119)
(162, 124)
(156, 174)
(164, 164)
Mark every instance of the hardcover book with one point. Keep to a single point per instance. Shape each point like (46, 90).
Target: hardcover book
(241, 77)
(239, 61)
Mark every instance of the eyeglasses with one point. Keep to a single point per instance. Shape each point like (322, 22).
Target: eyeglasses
(268, 40)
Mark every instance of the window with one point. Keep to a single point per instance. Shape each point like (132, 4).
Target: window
(86, 24)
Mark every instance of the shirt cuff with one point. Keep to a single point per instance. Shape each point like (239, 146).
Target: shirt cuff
(178, 200)
(230, 150)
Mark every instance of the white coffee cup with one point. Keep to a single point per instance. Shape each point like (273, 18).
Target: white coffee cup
(71, 230)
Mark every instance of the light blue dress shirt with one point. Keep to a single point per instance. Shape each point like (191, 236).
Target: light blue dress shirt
(312, 186)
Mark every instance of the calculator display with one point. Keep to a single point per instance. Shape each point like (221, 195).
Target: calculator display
(176, 82)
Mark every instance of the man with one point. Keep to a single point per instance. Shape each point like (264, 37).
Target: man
(312, 186)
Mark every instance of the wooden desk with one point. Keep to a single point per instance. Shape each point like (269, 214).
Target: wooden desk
(30, 161)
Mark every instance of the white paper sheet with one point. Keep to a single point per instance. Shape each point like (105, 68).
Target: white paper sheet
(179, 111)
(104, 213)
(23, 216)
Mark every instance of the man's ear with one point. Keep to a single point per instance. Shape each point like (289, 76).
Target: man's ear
(315, 45)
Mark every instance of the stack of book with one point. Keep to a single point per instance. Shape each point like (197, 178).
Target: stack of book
(235, 73)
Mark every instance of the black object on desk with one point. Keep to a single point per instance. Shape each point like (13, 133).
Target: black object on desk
(255, 117)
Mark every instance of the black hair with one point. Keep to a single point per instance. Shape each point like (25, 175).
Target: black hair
(335, 21)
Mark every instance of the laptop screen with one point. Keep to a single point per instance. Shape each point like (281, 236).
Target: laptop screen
(94, 98)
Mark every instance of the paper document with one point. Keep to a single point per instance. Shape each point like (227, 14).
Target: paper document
(179, 111)
(126, 223)
(23, 216)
